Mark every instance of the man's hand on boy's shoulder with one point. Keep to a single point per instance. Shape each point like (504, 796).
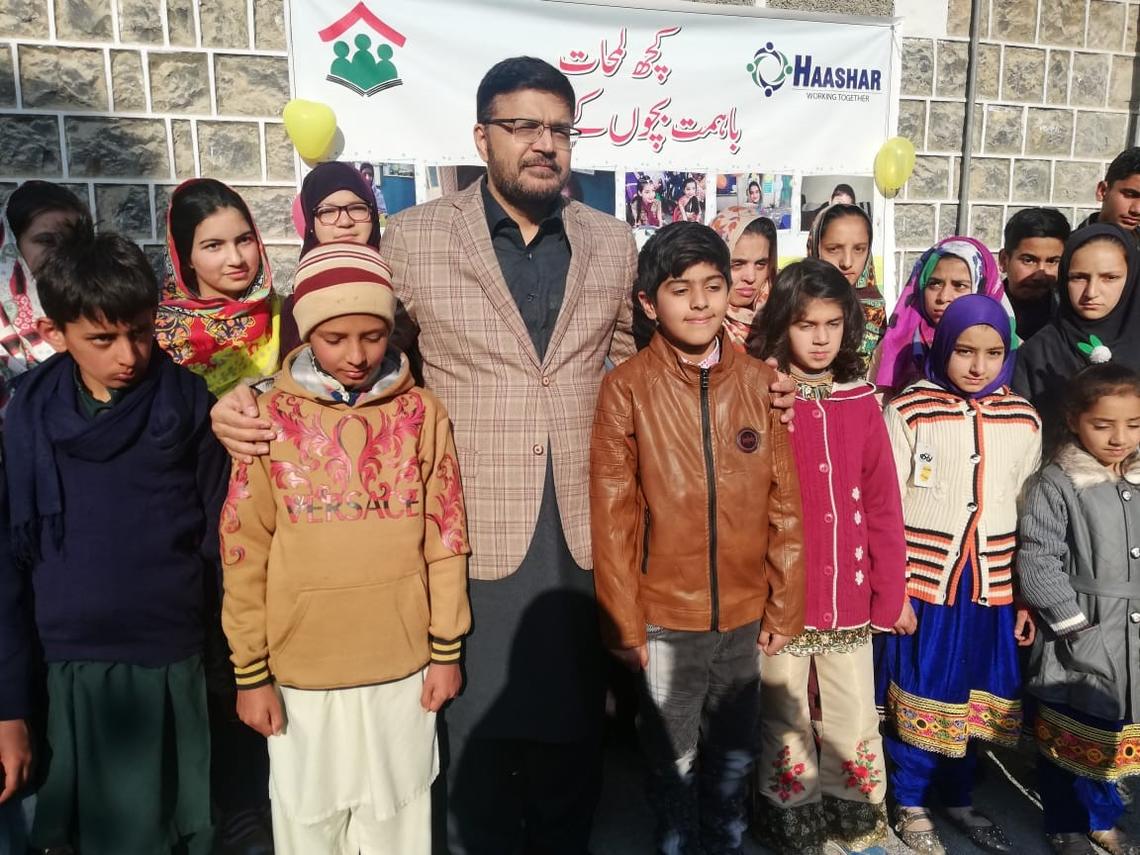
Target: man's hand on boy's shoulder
(260, 708)
(634, 658)
(783, 393)
(238, 425)
(441, 683)
(15, 757)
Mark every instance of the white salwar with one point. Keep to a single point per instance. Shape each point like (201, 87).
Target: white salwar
(352, 771)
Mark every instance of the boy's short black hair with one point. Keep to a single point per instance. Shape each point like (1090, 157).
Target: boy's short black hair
(673, 250)
(98, 277)
(1124, 165)
(1035, 223)
(35, 197)
(516, 74)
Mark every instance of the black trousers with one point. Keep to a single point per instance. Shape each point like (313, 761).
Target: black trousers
(519, 797)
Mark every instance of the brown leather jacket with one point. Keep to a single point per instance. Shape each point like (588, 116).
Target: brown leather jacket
(694, 501)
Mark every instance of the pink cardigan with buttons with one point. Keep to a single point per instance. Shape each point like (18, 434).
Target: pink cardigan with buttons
(855, 549)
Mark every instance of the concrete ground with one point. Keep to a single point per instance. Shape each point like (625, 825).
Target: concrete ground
(1005, 792)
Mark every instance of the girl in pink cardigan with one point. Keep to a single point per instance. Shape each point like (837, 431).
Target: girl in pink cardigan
(855, 555)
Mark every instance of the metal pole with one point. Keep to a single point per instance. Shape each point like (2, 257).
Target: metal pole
(968, 123)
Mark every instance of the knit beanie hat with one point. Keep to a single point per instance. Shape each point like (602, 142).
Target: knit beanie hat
(336, 279)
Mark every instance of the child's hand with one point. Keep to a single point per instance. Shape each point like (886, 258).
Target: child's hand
(782, 392)
(907, 622)
(1025, 628)
(260, 708)
(441, 684)
(771, 642)
(15, 756)
(634, 658)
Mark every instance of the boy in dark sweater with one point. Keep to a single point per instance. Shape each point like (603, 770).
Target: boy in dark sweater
(115, 485)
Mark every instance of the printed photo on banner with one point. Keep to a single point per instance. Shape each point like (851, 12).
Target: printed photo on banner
(819, 191)
(655, 199)
(393, 186)
(590, 187)
(768, 194)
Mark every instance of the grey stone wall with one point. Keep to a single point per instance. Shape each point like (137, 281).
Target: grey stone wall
(122, 100)
(1058, 90)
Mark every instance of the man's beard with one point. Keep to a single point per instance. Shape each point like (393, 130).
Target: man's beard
(513, 189)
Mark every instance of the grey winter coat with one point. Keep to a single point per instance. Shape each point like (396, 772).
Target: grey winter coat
(1079, 568)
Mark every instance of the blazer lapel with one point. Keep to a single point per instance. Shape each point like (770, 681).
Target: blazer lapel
(479, 251)
(580, 246)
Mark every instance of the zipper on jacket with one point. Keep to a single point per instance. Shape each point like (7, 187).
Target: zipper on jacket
(645, 545)
(710, 477)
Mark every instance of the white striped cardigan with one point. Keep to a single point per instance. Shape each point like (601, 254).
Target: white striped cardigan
(961, 466)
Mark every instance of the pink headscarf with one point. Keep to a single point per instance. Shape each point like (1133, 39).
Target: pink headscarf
(909, 331)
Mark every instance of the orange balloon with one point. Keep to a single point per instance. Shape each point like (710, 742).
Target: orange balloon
(721, 182)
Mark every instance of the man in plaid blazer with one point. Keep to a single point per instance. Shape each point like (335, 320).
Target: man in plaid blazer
(516, 298)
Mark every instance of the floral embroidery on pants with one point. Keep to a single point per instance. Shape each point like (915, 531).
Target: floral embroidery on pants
(785, 780)
(862, 773)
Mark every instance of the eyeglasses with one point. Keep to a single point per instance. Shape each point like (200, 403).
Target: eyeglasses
(327, 215)
(530, 131)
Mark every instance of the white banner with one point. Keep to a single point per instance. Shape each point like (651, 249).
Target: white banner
(758, 104)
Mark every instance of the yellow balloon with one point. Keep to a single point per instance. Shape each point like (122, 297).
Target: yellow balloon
(893, 165)
(905, 149)
(311, 126)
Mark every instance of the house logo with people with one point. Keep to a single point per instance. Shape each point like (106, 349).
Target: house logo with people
(365, 64)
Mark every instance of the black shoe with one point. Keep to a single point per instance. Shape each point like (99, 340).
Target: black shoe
(245, 832)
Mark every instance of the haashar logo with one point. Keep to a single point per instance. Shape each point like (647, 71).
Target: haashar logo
(769, 69)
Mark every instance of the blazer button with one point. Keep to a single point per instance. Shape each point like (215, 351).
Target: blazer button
(975, 458)
(538, 449)
(829, 517)
(1134, 551)
(545, 381)
(1134, 617)
(827, 616)
(827, 570)
(824, 468)
(972, 506)
(1126, 495)
(816, 414)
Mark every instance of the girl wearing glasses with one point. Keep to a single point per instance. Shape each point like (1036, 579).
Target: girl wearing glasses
(339, 207)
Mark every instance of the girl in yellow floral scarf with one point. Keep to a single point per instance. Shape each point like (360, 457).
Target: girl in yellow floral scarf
(219, 315)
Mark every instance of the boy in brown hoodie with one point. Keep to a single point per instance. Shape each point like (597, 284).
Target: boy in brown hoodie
(345, 572)
(697, 538)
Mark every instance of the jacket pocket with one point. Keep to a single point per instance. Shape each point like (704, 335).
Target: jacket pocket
(385, 622)
(1092, 681)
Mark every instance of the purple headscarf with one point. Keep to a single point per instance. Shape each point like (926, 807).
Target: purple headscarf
(965, 312)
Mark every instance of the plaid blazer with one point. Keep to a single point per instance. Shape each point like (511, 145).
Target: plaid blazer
(510, 409)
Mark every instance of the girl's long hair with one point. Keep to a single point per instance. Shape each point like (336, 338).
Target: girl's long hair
(797, 283)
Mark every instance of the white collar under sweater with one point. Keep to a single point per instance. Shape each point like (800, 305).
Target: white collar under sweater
(1086, 471)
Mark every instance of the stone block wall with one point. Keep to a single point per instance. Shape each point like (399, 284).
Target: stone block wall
(1058, 89)
(123, 99)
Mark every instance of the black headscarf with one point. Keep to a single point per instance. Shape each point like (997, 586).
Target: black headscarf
(1119, 330)
(323, 181)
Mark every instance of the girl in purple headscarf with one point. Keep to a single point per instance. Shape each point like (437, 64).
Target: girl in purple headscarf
(950, 269)
(963, 445)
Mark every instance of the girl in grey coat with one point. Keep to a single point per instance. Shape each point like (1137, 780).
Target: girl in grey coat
(1079, 566)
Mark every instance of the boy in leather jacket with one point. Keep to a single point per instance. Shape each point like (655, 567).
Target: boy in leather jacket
(697, 540)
